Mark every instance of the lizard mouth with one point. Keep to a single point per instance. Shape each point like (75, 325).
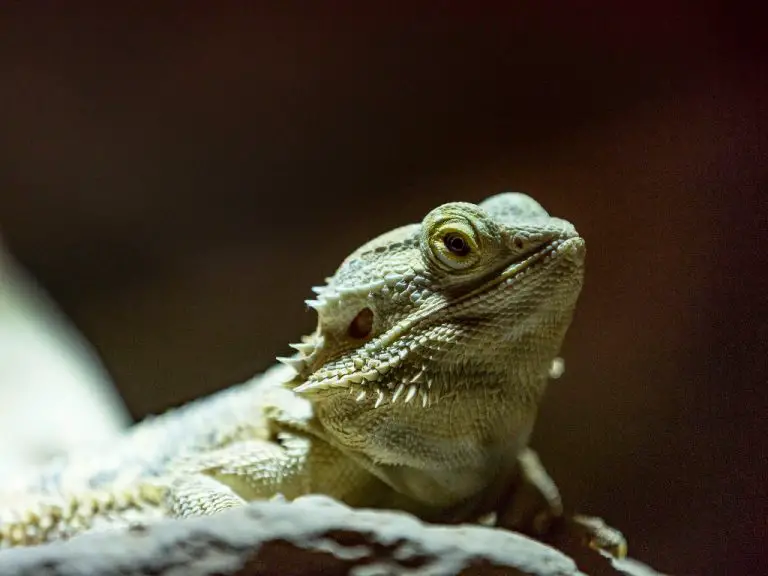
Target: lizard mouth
(516, 271)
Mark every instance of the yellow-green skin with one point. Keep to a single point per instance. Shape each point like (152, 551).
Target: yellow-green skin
(417, 391)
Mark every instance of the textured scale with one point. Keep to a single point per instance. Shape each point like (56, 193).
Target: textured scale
(418, 390)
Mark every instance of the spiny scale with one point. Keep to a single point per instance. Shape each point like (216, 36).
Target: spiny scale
(296, 364)
(304, 348)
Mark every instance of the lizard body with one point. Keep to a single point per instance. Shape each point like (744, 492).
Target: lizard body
(417, 391)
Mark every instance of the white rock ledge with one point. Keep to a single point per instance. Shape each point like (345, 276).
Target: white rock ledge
(313, 535)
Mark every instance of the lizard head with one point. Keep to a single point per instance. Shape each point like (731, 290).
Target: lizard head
(434, 340)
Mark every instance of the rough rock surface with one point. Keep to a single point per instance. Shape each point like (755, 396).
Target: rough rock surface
(312, 535)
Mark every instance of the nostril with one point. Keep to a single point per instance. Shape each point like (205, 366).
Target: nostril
(519, 243)
(362, 324)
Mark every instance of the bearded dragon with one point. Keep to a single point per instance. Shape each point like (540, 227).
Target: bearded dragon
(418, 391)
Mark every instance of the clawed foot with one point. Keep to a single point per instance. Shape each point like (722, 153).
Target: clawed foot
(596, 534)
(534, 508)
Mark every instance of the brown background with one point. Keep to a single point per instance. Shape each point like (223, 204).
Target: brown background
(178, 178)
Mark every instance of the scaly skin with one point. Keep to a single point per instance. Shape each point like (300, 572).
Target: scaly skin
(417, 391)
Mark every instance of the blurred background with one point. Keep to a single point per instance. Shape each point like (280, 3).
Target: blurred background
(178, 177)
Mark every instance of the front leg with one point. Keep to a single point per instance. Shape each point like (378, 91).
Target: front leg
(533, 503)
(207, 483)
(289, 465)
(533, 506)
(200, 495)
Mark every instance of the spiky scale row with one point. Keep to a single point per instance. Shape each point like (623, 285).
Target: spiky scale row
(306, 350)
(408, 283)
(47, 520)
(327, 296)
(381, 394)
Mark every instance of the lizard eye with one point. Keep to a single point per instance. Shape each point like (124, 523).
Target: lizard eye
(454, 244)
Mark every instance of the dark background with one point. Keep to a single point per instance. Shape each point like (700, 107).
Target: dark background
(178, 177)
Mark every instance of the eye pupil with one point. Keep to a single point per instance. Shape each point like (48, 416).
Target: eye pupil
(456, 244)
